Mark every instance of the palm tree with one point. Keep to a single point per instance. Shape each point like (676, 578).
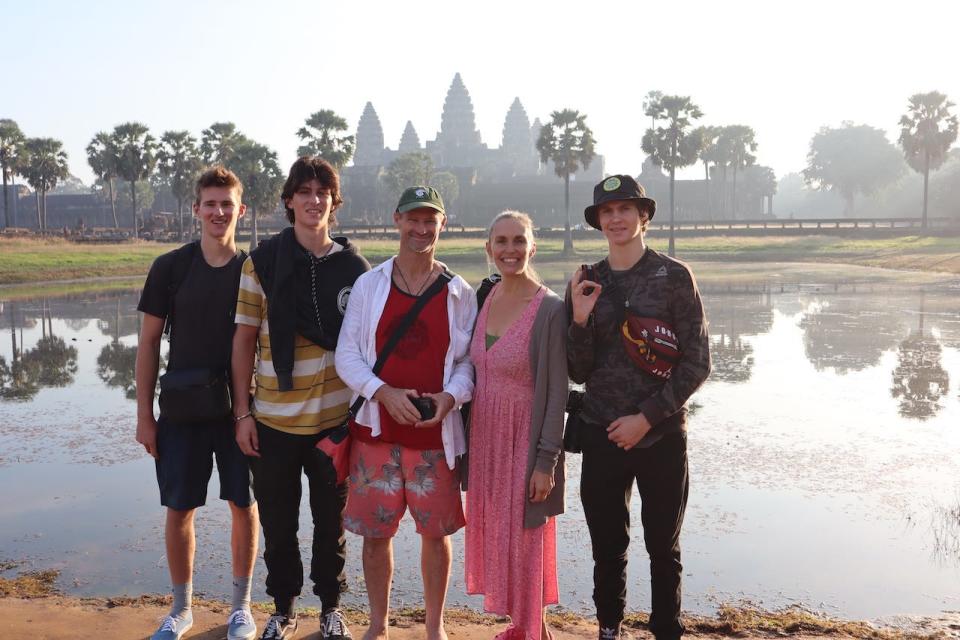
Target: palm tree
(649, 106)
(102, 156)
(179, 161)
(927, 131)
(741, 143)
(136, 158)
(709, 152)
(675, 145)
(320, 136)
(47, 166)
(568, 142)
(258, 169)
(219, 142)
(11, 147)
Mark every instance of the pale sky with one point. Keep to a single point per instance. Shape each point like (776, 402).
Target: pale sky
(72, 68)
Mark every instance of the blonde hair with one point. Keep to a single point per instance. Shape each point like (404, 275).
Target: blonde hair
(527, 222)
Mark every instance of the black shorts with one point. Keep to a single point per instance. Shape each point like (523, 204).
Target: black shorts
(185, 464)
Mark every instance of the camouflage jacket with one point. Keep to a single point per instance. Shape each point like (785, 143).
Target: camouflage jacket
(657, 287)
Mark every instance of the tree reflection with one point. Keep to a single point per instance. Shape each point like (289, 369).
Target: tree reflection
(919, 379)
(849, 333)
(732, 359)
(55, 361)
(732, 316)
(116, 366)
(18, 379)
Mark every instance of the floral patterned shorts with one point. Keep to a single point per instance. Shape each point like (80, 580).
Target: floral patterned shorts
(385, 478)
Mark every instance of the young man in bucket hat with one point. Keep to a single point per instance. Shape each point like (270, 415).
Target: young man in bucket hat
(408, 433)
(638, 340)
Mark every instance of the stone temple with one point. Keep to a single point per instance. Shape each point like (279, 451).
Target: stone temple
(509, 176)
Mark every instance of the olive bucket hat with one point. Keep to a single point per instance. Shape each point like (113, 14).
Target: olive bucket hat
(618, 187)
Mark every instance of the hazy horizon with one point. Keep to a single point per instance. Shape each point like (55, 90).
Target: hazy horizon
(785, 70)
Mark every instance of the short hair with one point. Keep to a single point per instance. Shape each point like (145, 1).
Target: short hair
(308, 168)
(527, 222)
(218, 176)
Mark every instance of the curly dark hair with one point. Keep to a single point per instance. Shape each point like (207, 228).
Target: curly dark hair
(308, 168)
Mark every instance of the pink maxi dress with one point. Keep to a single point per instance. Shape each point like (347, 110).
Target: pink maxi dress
(514, 568)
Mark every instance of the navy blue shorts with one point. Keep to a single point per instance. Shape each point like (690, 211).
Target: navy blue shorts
(185, 463)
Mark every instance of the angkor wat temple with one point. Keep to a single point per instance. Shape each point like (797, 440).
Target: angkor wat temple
(509, 176)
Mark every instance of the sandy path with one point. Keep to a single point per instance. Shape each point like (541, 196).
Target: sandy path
(61, 618)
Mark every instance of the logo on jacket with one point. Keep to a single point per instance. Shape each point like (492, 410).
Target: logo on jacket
(661, 272)
(342, 298)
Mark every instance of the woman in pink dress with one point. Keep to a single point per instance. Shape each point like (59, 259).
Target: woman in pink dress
(516, 472)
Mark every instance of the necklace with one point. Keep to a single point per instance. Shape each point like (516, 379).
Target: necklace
(407, 285)
(314, 262)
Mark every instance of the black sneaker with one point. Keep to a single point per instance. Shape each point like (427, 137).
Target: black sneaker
(613, 633)
(333, 625)
(279, 627)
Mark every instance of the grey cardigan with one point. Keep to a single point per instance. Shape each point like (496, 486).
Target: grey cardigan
(548, 364)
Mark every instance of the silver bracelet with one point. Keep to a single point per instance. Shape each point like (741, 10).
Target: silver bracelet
(248, 414)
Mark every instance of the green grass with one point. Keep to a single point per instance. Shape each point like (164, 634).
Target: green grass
(33, 261)
(45, 260)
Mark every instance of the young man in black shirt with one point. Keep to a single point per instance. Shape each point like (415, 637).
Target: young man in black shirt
(638, 340)
(193, 289)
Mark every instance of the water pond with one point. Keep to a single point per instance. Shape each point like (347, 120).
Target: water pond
(824, 451)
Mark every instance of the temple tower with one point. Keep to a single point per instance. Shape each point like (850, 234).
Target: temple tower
(409, 141)
(369, 151)
(518, 147)
(458, 142)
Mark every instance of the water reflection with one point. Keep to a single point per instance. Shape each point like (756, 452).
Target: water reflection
(919, 381)
(827, 418)
(849, 333)
(116, 364)
(50, 363)
(734, 315)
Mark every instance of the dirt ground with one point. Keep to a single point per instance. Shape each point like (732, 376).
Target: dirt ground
(65, 618)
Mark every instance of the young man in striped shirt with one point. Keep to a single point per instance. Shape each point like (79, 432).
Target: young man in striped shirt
(293, 294)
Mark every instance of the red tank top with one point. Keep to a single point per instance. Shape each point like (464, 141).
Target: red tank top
(415, 363)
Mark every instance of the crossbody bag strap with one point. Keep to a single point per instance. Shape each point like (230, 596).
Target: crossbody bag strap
(402, 328)
(609, 283)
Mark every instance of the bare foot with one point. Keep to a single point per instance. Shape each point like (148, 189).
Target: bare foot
(437, 634)
(375, 633)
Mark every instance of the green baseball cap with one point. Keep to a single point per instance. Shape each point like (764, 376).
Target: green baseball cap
(419, 197)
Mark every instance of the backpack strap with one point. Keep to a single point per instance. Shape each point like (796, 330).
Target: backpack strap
(486, 286)
(180, 267)
(182, 261)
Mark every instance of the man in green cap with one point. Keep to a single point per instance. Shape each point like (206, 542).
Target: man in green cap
(404, 347)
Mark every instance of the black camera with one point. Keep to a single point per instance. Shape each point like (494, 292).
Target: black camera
(425, 406)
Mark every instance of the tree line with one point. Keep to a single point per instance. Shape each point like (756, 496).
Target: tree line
(131, 154)
(852, 159)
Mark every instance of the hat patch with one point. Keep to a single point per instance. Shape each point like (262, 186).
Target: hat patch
(611, 184)
(420, 193)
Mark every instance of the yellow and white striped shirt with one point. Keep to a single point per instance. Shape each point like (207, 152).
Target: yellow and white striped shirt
(319, 399)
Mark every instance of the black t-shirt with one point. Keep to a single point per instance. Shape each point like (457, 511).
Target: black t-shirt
(205, 302)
